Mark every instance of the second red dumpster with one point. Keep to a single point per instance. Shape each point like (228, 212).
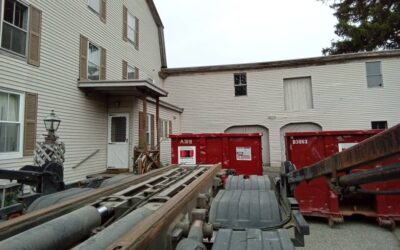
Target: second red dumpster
(241, 152)
(316, 198)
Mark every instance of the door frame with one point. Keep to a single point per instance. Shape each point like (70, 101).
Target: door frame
(127, 139)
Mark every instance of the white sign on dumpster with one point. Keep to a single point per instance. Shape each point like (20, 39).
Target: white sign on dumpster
(243, 153)
(346, 145)
(187, 155)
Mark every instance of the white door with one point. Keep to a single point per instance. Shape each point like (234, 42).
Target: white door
(118, 142)
(255, 129)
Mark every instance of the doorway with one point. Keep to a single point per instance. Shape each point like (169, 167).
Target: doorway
(118, 141)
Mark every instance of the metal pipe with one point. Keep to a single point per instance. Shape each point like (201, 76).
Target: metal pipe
(194, 241)
(60, 233)
(386, 173)
(116, 230)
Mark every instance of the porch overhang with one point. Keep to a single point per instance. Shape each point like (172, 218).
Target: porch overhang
(138, 88)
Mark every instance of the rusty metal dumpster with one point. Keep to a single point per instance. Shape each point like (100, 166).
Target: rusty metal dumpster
(316, 198)
(241, 152)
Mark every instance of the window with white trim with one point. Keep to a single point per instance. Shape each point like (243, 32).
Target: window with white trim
(240, 83)
(93, 61)
(148, 130)
(374, 74)
(164, 128)
(11, 124)
(14, 26)
(131, 72)
(94, 5)
(131, 32)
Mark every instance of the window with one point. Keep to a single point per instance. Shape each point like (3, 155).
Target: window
(93, 62)
(14, 27)
(131, 28)
(11, 124)
(379, 125)
(240, 84)
(94, 5)
(148, 129)
(164, 128)
(132, 71)
(298, 94)
(374, 74)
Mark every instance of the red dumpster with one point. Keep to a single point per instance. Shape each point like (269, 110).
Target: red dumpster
(241, 152)
(316, 198)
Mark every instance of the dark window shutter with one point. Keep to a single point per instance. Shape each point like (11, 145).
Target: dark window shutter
(125, 24)
(83, 58)
(152, 131)
(124, 69)
(103, 11)
(137, 33)
(142, 130)
(103, 64)
(170, 127)
(31, 105)
(35, 26)
(136, 73)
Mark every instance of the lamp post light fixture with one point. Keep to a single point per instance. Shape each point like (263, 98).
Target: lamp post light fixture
(51, 122)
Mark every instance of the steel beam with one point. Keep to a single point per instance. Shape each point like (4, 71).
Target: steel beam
(147, 230)
(374, 149)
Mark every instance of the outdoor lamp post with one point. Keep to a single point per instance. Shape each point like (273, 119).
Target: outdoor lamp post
(51, 122)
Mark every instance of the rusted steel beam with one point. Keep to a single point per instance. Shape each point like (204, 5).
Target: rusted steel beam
(374, 149)
(147, 230)
(27, 221)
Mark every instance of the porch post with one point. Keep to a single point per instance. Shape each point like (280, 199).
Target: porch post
(158, 128)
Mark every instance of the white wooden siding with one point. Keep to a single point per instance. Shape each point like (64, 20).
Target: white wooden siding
(84, 118)
(341, 99)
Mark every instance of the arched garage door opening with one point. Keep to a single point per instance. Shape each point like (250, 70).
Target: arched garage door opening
(255, 129)
(296, 127)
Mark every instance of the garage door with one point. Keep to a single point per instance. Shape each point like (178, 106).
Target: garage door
(255, 129)
(296, 127)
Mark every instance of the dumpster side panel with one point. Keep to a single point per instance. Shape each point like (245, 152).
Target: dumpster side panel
(241, 152)
(315, 197)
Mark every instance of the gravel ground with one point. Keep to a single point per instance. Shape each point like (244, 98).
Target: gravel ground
(355, 233)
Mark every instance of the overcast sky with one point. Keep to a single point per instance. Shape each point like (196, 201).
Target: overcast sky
(211, 32)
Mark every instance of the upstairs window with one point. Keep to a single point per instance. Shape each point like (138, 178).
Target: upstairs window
(298, 94)
(14, 27)
(374, 74)
(94, 5)
(240, 81)
(93, 62)
(132, 72)
(131, 28)
(379, 125)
